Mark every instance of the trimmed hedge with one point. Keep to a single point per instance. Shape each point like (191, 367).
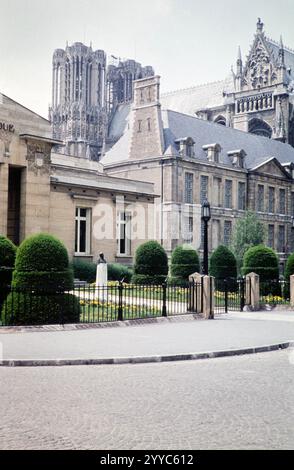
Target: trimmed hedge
(264, 262)
(41, 269)
(84, 270)
(41, 252)
(7, 252)
(142, 279)
(184, 261)
(223, 265)
(37, 309)
(151, 264)
(117, 272)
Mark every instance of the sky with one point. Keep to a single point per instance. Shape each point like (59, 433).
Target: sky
(188, 42)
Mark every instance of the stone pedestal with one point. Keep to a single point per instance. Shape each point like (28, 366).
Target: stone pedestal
(195, 293)
(101, 281)
(208, 297)
(252, 291)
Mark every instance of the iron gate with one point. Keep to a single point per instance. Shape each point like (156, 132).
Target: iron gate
(229, 295)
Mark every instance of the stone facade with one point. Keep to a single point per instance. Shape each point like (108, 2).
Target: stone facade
(257, 97)
(85, 97)
(70, 197)
(189, 159)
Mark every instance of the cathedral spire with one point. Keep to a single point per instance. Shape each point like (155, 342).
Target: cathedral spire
(259, 26)
(239, 63)
(281, 53)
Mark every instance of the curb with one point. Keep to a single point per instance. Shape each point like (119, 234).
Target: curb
(144, 359)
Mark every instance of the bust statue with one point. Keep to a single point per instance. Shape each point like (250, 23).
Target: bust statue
(101, 259)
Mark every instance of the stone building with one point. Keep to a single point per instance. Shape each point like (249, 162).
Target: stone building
(70, 197)
(86, 94)
(257, 97)
(190, 159)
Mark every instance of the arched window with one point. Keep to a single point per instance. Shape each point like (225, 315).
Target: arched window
(259, 127)
(220, 120)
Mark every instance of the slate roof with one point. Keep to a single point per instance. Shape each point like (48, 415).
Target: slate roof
(119, 121)
(178, 125)
(258, 148)
(189, 100)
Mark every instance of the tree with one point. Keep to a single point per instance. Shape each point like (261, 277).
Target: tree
(151, 264)
(248, 232)
(41, 281)
(184, 261)
(263, 261)
(223, 265)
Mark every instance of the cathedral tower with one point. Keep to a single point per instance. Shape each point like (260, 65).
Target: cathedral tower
(78, 113)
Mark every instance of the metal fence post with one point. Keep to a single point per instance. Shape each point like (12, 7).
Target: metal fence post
(120, 301)
(226, 295)
(242, 289)
(164, 288)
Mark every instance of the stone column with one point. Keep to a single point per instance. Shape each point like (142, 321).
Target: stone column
(252, 291)
(195, 293)
(292, 290)
(208, 297)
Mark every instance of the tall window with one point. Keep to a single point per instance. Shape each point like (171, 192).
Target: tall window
(292, 240)
(215, 233)
(281, 239)
(241, 196)
(203, 188)
(282, 201)
(189, 188)
(260, 198)
(271, 236)
(271, 199)
(124, 233)
(188, 229)
(216, 196)
(228, 194)
(83, 231)
(227, 232)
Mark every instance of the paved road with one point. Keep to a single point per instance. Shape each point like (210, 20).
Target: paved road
(238, 402)
(191, 336)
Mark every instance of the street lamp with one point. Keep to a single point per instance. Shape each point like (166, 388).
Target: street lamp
(205, 216)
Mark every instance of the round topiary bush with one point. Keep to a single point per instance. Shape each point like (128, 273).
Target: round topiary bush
(223, 265)
(264, 262)
(151, 264)
(40, 279)
(184, 261)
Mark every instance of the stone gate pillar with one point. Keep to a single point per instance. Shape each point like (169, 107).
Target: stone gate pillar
(252, 291)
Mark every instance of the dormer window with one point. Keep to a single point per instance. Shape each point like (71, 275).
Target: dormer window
(186, 147)
(212, 152)
(237, 158)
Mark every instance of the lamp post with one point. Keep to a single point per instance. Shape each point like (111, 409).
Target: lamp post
(205, 216)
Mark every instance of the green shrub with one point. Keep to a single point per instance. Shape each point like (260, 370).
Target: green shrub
(7, 260)
(151, 263)
(84, 270)
(289, 270)
(145, 279)
(117, 272)
(223, 265)
(184, 261)
(264, 262)
(41, 252)
(41, 269)
(27, 308)
(7, 252)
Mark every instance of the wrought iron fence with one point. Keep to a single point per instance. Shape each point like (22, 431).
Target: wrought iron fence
(229, 295)
(91, 304)
(274, 292)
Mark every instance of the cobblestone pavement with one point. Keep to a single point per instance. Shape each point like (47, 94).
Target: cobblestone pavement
(237, 402)
(193, 336)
